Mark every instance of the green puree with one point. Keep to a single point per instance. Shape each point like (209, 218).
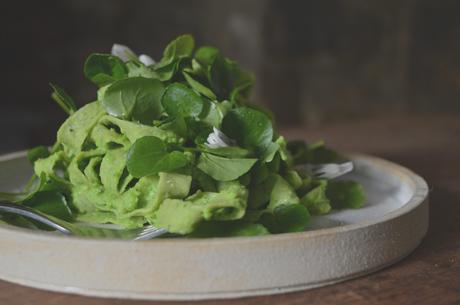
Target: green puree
(178, 145)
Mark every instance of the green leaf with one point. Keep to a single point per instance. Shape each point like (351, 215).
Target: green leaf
(220, 77)
(180, 47)
(294, 179)
(139, 69)
(103, 69)
(180, 100)
(240, 94)
(228, 229)
(259, 173)
(136, 98)
(149, 155)
(286, 218)
(34, 186)
(270, 151)
(38, 152)
(206, 55)
(314, 153)
(243, 82)
(229, 152)
(176, 125)
(224, 169)
(214, 112)
(346, 194)
(63, 99)
(316, 200)
(166, 72)
(282, 193)
(204, 181)
(198, 87)
(260, 191)
(13, 197)
(51, 203)
(251, 128)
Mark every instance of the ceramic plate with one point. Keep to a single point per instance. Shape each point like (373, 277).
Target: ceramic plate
(339, 246)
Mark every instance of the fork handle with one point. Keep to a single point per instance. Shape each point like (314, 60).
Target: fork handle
(33, 214)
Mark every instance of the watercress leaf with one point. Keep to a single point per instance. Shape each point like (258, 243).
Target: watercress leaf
(139, 69)
(260, 192)
(323, 154)
(35, 185)
(36, 153)
(224, 107)
(243, 82)
(294, 179)
(12, 197)
(63, 99)
(286, 218)
(241, 77)
(240, 94)
(165, 72)
(248, 229)
(315, 152)
(198, 87)
(196, 69)
(282, 193)
(144, 155)
(149, 155)
(251, 128)
(224, 169)
(296, 148)
(345, 194)
(103, 69)
(177, 125)
(269, 152)
(136, 98)
(180, 47)
(220, 77)
(172, 161)
(259, 173)
(51, 203)
(101, 91)
(204, 181)
(228, 229)
(316, 200)
(206, 55)
(212, 113)
(180, 100)
(283, 151)
(229, 152)
(275, 164)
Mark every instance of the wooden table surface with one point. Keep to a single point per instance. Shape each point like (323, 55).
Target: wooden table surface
(430, 145)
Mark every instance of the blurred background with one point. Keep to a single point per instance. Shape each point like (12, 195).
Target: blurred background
(316, 62)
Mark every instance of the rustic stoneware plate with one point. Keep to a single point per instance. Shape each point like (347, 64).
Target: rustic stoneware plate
(339, 246)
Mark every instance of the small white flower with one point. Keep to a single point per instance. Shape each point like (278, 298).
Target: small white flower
(217, 139)
(125, 53)
(146, 60)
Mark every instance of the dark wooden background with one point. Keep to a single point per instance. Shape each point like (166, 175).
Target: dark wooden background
(316, 61)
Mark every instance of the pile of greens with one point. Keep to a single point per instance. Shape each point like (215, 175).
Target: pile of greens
(176, 144)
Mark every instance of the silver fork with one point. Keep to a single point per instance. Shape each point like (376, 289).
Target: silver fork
(327, 170)
(81, 229)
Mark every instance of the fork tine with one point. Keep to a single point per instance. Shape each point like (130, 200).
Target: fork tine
(148, 230)
(151, 234)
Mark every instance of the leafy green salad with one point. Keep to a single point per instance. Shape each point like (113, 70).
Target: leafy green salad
(176, 144)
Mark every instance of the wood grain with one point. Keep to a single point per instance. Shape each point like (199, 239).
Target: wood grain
(430, 146)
